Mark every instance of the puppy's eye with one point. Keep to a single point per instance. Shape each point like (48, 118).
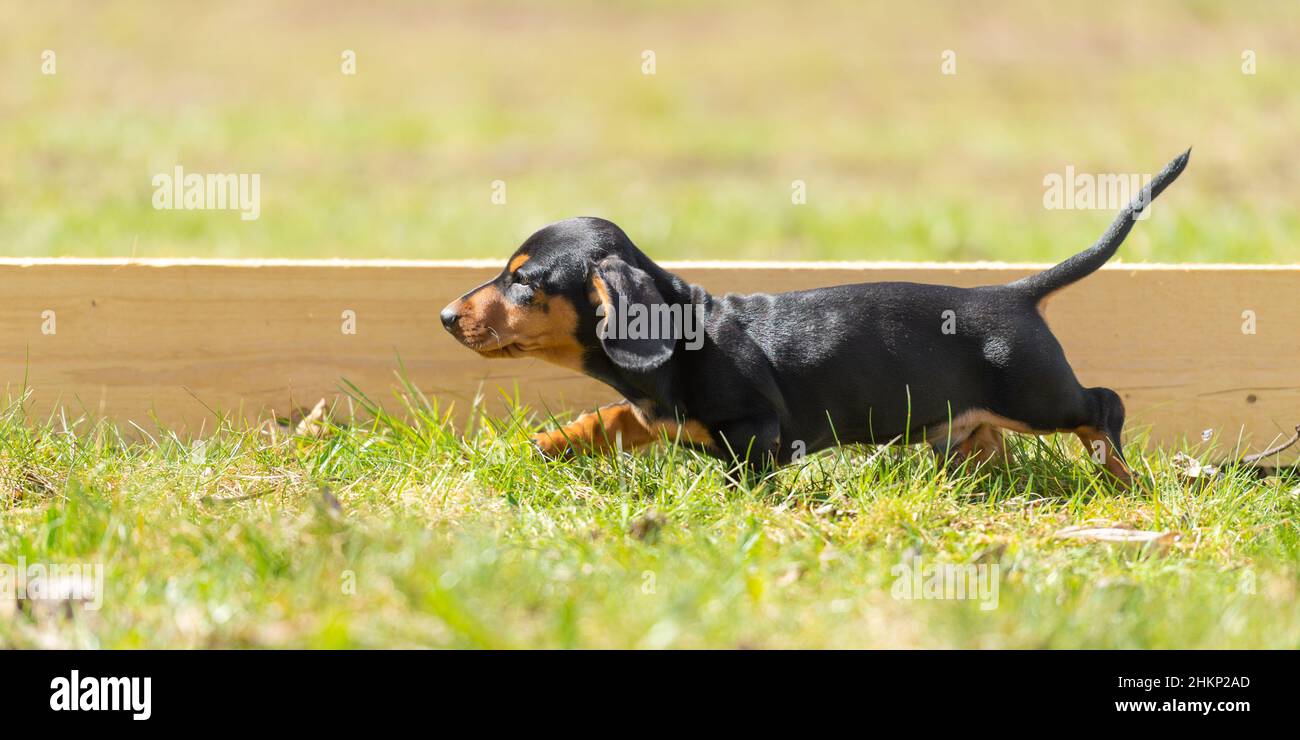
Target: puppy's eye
(520, 291)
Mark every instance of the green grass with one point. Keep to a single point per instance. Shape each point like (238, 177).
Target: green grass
(391, 534)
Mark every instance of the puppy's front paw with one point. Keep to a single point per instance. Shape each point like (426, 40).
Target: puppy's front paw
(553, 445)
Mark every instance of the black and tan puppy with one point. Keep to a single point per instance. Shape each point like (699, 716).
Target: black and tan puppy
(760, 378)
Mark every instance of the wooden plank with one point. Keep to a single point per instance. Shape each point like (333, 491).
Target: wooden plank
(171, 339)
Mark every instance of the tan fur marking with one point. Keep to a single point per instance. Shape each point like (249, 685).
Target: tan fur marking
(688, 431)
(601, 293)
(546, 328)
(517, 262)
(984, 445)
(966, 423)
(1113, 464)
(558, 328)
(619, 424)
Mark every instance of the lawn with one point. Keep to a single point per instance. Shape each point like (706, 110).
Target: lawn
(396, 534)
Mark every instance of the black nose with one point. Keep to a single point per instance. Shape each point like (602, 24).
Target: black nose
(448, 317)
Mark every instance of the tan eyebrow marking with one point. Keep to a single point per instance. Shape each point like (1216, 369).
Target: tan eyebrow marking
(517, 262)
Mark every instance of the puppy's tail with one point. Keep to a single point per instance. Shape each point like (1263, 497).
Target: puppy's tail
(1090, 260)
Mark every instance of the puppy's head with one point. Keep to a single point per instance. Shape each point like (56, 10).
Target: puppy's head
(554, 291)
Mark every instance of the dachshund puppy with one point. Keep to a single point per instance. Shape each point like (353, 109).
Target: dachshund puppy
(758, 379)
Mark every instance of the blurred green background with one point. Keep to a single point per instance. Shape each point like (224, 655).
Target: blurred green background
(901, 162)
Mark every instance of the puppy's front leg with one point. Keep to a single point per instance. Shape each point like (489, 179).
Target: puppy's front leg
(615, 425)
(753, 446)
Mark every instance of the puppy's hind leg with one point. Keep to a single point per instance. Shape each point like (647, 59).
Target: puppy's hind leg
(951, 446)
(1103, 435)
(980, 444)
(985, 445)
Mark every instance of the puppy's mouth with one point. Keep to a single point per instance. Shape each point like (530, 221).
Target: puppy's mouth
(509, 350)
(491, 345)
(488, 346)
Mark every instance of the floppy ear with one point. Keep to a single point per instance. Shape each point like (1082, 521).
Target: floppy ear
(622, 287)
